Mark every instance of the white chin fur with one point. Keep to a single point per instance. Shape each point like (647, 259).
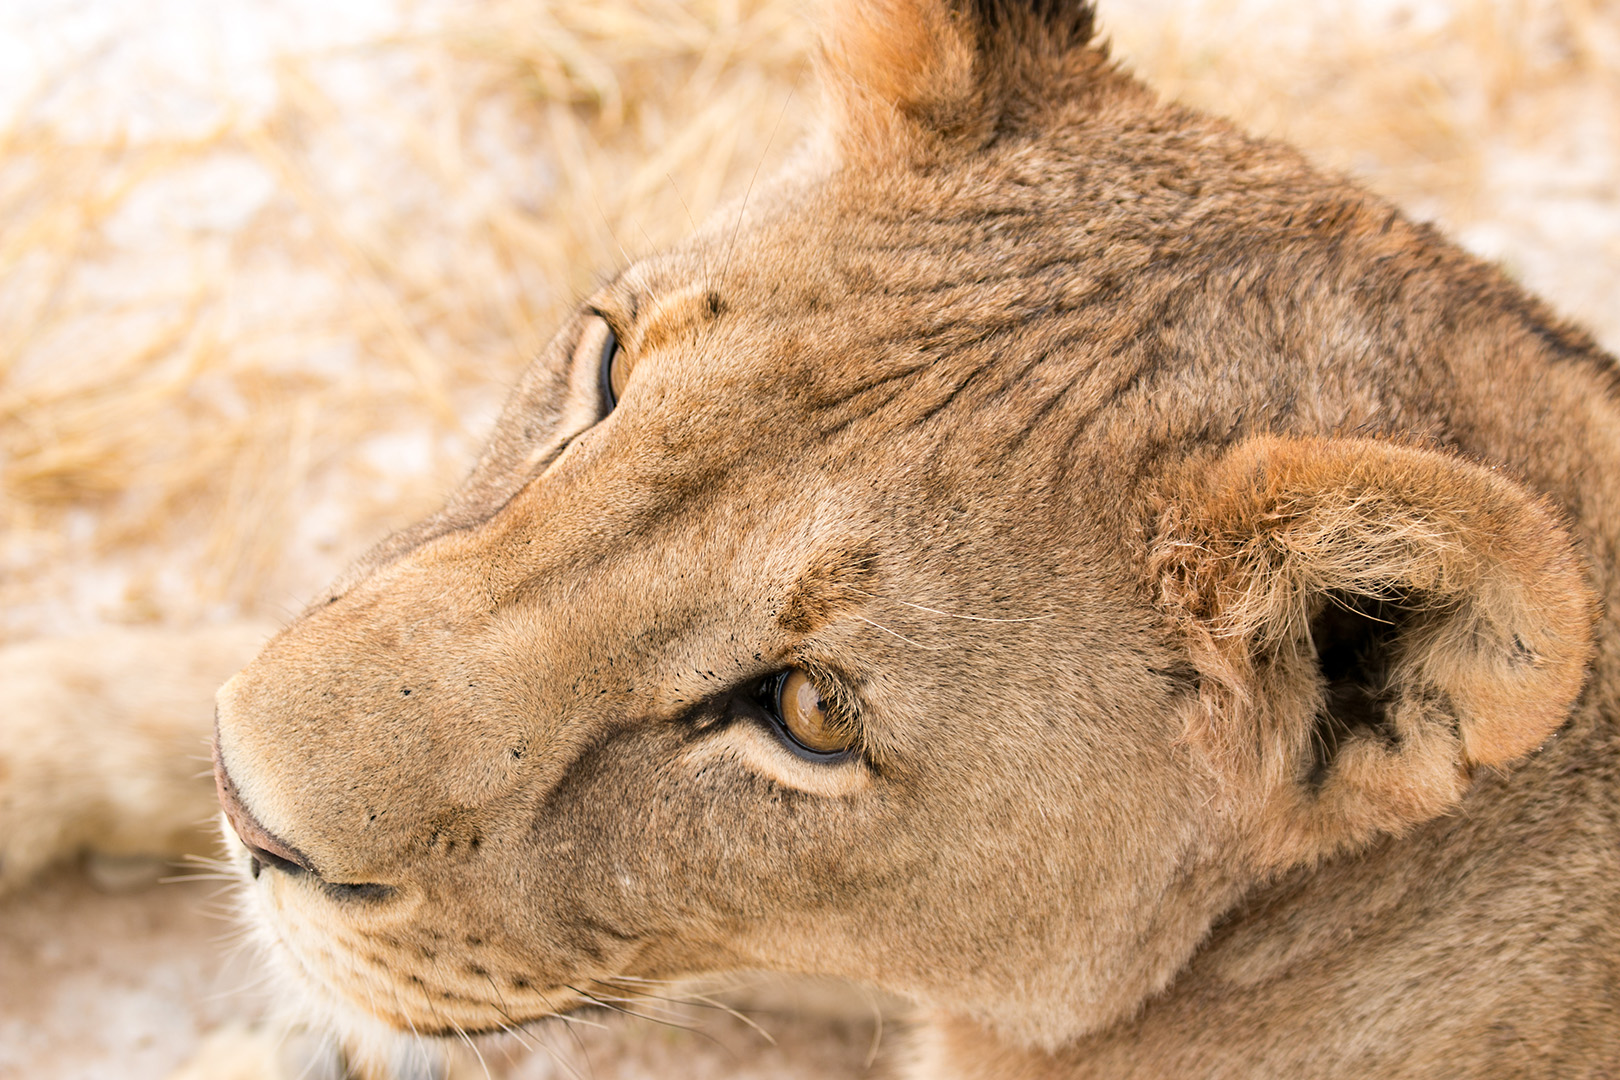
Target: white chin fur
(369, 1047)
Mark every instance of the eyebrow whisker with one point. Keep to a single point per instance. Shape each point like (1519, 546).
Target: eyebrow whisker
(955, 615)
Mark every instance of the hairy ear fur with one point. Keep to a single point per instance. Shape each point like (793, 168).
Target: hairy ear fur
(919, 76)
(1370, 623)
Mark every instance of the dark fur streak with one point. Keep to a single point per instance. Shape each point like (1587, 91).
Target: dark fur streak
(945, 403)
(857, 417)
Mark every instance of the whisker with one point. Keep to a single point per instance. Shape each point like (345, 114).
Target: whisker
(608, 1003)
(579, 1042)
(180, 879)
(702, 1001)
(310, 1062)
(511, 1025)
(725, 263)
(204, 862)
(656, 1012)
(902, 637)
(508, 1027)
(690, 220)
(954, 615)
(710, 1003)
(577, 1020)
(238, 991)
(415, 1035)
(611, 231)
(533, 1048)
(642, 979)
(653, 1019)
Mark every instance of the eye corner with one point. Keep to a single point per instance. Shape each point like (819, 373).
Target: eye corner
(606, 314)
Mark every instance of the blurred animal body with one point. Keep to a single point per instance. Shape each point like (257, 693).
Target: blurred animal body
(104, 743)
(1046, 554)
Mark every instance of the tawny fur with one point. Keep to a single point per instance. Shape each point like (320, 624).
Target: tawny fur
(1215, 567)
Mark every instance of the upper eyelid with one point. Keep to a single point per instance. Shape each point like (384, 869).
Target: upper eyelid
(616, 306)
(585, 331)
(613, 321)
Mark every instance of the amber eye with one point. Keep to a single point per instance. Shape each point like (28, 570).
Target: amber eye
(802, 711)
(615, 372)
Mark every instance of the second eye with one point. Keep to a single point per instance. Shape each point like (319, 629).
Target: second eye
(615, 372)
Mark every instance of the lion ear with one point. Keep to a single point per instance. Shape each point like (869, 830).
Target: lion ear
(1370, 622)
(930, 74)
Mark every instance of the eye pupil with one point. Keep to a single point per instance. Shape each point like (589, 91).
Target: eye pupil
(804, 715)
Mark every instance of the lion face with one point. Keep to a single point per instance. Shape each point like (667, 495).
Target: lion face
(568, 764)
(831, 596)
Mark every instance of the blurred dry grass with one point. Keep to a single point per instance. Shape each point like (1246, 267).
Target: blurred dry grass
(231, 357)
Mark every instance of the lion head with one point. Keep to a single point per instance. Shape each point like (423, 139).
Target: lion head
(970, 566)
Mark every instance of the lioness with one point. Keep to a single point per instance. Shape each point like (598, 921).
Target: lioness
(1045, 554)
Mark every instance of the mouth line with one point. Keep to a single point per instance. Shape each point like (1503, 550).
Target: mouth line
(512, 1024)
(341, 891)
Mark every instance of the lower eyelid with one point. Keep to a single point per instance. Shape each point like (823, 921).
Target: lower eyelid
(760, 751)
(777, 730)
(572, 442)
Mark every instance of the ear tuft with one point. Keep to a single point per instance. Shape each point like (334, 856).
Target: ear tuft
(1371, 622)
(899, 54)
(920, 72)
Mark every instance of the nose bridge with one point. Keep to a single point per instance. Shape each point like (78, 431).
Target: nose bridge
(575, 540)
(463, 626)
(551, 525)
(594, 583)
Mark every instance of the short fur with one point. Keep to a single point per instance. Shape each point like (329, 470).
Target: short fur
(1216, 567)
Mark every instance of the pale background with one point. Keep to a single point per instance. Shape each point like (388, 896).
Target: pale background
(266, 267)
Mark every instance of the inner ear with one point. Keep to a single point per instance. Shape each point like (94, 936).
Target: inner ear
(1357, 641)
(1371, 623)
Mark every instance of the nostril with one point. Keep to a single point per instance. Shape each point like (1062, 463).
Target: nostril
(264, 847)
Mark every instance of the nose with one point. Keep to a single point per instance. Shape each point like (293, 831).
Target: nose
(265, 848)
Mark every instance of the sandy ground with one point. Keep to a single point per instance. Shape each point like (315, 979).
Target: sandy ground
(100, 983)
(265, 269)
